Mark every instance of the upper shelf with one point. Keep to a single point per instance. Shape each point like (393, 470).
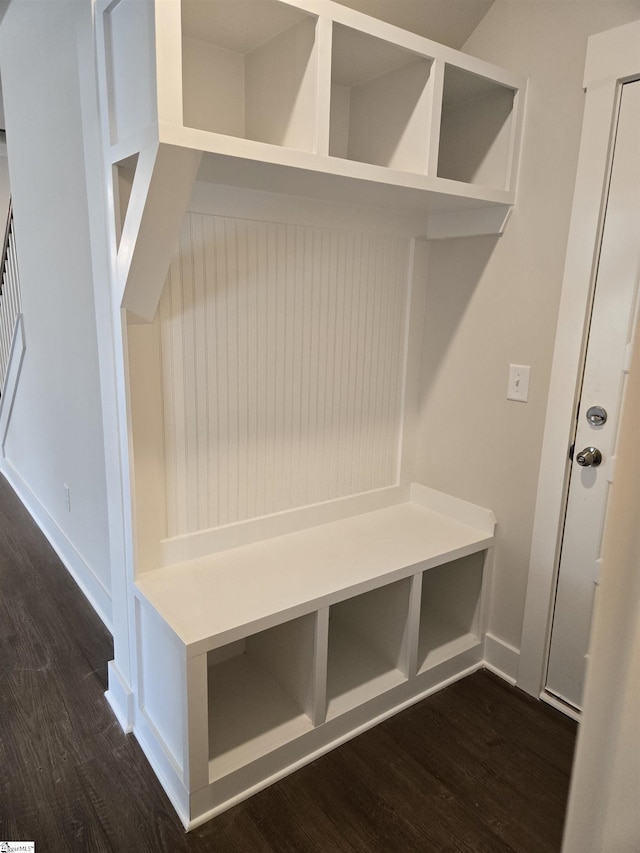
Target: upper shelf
(311, 98)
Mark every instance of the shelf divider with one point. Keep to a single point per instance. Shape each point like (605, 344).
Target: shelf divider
(436, 87)
(410, 655)
(324, 38)
(196, 734)
(318, 710)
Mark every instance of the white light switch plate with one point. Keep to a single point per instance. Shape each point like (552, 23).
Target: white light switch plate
(518, 386)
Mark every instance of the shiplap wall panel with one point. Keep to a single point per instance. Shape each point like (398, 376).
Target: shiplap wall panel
(282, 352)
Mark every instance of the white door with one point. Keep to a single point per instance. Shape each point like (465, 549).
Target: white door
(603, 386)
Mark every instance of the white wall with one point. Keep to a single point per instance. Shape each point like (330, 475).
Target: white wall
(55, 434)
(5, 190)
(492, 302)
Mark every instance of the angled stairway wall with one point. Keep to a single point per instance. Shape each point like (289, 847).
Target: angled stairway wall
(55, 437)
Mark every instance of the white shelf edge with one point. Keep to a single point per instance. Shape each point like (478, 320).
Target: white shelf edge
(467, 223)
(182, 593)
(448, 651)
(361, 693)
(233, 154)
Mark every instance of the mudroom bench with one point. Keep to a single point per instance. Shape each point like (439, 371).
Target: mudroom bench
(256, 659)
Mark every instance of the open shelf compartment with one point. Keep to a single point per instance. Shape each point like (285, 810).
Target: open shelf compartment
(367, 646)
(249, 70)
(260, 693)
(287, 644)
(380, 102)
(476, 137)
(450, 610)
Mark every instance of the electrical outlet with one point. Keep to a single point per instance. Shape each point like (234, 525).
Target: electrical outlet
(518, 386)
(67, 497)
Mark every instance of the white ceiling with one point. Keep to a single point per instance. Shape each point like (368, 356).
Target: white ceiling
(242, 26)
(238, 26)
(449, 22)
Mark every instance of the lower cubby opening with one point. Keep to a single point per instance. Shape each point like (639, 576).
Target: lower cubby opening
(260, 694)
(450, 610)
(367, 646)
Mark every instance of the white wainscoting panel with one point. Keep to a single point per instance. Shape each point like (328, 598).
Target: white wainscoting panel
(282, 367)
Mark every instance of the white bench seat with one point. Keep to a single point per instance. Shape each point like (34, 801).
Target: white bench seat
(223, 597)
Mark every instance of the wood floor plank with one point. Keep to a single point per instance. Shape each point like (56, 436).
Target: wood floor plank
(476, 768)
(407, 805)
(483, 775)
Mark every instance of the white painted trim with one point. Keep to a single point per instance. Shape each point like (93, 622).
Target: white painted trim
(162, 767)
(120, 697)
(16, 357)
(463, 511)
(611, 56)
(413, 331)
(567, 710)
(468, 223)
(244, 203)
(110, 320)
(92, 587)
(501, 658)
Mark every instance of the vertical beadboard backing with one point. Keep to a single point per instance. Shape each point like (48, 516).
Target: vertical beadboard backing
(282, 351)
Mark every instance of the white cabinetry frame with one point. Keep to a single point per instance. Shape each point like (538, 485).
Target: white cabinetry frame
(293, 585)
(256, 660)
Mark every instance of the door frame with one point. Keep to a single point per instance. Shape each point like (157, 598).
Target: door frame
(613, 58)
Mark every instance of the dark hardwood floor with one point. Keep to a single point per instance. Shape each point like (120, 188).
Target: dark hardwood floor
(477, 767)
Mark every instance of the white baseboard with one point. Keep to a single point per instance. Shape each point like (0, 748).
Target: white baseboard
(559, 705)
(120, 697)
(167, 773)
(94, 590)
(501, 658)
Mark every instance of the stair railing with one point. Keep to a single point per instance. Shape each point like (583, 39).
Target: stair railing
(10, 302)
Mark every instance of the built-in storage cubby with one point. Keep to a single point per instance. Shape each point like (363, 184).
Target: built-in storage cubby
(367, 646)
(450, 610)
(380, 102)
(260, 693)
(249, 69)
(287, 162)
(476, 129)
(317, 100)
(256, 658)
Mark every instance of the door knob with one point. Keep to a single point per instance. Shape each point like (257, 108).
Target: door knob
(590, 456)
